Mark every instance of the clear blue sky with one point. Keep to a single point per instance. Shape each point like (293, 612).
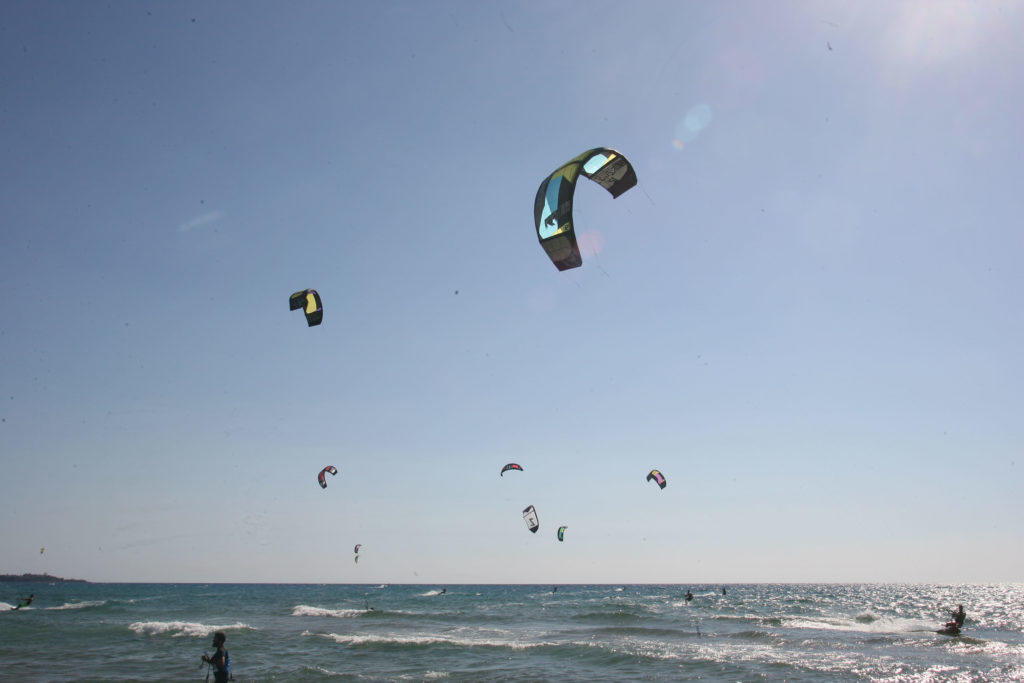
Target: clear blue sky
(808, 314)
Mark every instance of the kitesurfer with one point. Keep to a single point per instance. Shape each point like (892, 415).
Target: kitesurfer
(689, 596)
(220, 661)
(24, 602)
(723, 590)
(952, 628)
(443, 591)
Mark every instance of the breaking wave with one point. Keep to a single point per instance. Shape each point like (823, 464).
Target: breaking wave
(184, 628)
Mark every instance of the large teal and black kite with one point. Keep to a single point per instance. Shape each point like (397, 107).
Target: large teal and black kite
(552, 210)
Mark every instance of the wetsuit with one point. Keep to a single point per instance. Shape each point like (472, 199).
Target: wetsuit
(221, 662)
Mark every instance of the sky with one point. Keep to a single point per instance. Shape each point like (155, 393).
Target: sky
(807, 314)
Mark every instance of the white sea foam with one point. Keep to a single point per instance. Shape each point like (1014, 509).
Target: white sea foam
(184, 628)
(311, 611)
(80, 605)
(428, 676)
(429, 593)
(877, 625)
(395, 639)
(324, 672)
(6, 606)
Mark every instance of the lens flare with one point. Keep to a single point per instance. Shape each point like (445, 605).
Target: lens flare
(591, 243)
(693, 124)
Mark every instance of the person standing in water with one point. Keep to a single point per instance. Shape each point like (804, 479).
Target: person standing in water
(220, 660)
(24, 602)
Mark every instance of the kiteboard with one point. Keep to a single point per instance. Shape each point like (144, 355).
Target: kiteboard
(949, 630)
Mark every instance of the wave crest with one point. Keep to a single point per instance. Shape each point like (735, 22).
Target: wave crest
(428, 640)
(80, 605)
(312, 611)
(184, 628)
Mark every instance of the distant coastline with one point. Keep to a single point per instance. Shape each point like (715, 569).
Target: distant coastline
(37, 578)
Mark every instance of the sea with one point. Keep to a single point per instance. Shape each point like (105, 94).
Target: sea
(289, 632)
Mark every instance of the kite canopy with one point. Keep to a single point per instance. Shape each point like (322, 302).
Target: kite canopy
(561, 532)
(530, 517)
(322, 477)
(510, 466)
(309, 301)
(658, 477)
(552, 209)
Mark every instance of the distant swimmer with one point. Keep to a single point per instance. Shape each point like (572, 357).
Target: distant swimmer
(220, 661)
(689, 596)
(24, 602)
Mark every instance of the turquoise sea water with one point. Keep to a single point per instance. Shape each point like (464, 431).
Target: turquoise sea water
(318, 632)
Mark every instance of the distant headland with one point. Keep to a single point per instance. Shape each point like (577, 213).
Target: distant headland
(38, 578)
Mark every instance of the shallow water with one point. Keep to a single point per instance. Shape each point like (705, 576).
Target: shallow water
(313, 632)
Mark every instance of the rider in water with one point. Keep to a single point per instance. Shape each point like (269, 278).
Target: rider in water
(953, 627)
(689, 596)
(25, 602)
